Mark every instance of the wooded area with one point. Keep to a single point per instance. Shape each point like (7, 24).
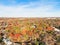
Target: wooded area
(30, 31)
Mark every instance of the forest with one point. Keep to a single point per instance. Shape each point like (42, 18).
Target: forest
(29, 31)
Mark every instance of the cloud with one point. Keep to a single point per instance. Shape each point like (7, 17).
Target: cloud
(35, 9)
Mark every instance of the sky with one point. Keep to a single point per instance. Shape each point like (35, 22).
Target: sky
(29, 8)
